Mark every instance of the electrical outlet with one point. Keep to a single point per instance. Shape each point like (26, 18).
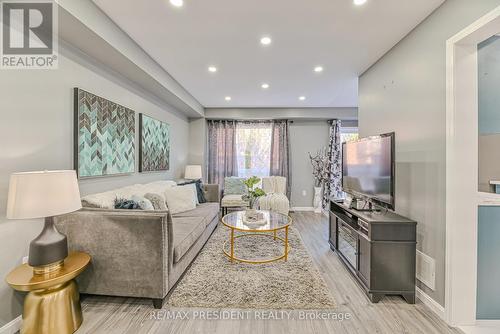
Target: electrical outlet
(25, 259)
(304, 193)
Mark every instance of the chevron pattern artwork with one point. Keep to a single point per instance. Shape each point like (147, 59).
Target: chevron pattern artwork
(104, 136)
(154, 147)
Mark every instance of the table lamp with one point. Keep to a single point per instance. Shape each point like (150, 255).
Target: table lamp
(193, 172)
(44, 195)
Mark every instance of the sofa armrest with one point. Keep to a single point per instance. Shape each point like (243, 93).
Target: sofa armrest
(212, 192)
(130, 250)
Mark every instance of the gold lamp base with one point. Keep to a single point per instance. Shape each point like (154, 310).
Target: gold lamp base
(55, 310)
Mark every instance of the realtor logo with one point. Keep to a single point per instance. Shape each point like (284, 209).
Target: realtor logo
(28, 35)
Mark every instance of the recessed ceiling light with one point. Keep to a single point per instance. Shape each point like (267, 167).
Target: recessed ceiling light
(302, 98)
(359, 2)
(265, 86)
(266, 40)
(212, 69)
(177, 3)
(318, 69)
(227, 98)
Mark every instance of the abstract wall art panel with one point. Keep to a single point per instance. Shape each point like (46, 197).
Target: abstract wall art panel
(154, 146)
(104, 136)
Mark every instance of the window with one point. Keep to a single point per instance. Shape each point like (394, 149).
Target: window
(253, 149)
(348, 134)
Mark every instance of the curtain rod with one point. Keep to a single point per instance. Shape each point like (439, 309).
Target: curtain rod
(328, 120)
(250, 120)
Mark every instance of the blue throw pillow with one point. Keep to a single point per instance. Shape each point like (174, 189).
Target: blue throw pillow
(121, 203)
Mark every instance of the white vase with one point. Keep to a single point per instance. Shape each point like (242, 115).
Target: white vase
(318, 199)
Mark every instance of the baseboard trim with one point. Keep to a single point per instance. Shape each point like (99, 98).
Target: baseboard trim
(302, 208)
(12, 327)
(488, 323)
(433, 305)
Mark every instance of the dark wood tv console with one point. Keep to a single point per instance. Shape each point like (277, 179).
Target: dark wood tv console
(379, 249)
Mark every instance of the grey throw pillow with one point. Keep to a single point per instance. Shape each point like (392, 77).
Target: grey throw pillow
(158, 201)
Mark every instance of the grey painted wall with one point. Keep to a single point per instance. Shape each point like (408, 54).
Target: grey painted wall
(36, 122)
(198, 143)
(488, 270)
(405, 92)
(488, 57)
(305, 137)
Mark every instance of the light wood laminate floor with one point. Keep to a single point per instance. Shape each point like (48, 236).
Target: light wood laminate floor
(391, 315)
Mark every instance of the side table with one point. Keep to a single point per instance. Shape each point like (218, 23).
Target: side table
(53, 301)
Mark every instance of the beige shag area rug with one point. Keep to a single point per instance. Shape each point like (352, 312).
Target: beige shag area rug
(213, 282)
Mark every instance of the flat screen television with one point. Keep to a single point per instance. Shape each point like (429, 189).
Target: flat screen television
(368, 169)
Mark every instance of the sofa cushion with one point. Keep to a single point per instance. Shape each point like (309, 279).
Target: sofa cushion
(207, 211)
(143, 202)
(106, 200)
(180, 198)
(233, 201)
(200, 192)
(186, 230)
(157, 200)
(234, 186)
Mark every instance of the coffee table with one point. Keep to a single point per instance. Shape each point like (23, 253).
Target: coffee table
(273, 222)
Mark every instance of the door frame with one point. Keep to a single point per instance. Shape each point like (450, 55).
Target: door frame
(462, 196)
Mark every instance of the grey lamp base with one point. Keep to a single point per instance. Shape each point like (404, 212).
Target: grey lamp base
(49, 247)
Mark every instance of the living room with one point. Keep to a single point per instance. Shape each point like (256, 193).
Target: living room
(219, 166)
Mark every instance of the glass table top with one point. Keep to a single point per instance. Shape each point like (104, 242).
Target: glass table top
(272, 221)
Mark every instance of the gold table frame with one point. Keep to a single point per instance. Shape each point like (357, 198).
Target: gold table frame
(254, 233)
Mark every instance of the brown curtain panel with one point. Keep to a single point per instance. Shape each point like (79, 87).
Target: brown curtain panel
(280, 152)
(221, 150)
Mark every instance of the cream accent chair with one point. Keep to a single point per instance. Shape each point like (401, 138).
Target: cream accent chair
(275, 198)
(233, 192)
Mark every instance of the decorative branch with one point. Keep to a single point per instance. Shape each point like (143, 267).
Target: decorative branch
(320, 166)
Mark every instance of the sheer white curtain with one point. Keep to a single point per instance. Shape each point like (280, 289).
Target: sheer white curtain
(253, 148)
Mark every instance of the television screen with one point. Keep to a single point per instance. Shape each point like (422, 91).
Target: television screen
(368, 168)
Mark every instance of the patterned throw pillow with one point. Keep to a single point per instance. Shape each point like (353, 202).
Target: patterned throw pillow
(157, 200)
(234, 186)
(121, 203)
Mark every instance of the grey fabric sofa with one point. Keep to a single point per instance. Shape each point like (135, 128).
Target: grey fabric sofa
(139, 253)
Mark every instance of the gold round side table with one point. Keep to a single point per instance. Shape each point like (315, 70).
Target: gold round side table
(53, 302)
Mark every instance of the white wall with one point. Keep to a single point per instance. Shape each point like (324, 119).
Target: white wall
(36, 133)
(405, 92)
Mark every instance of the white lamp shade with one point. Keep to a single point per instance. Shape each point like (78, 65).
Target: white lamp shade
(193, 172)
(43, 194)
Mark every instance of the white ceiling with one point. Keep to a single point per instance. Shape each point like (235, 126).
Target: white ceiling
(343, 38)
